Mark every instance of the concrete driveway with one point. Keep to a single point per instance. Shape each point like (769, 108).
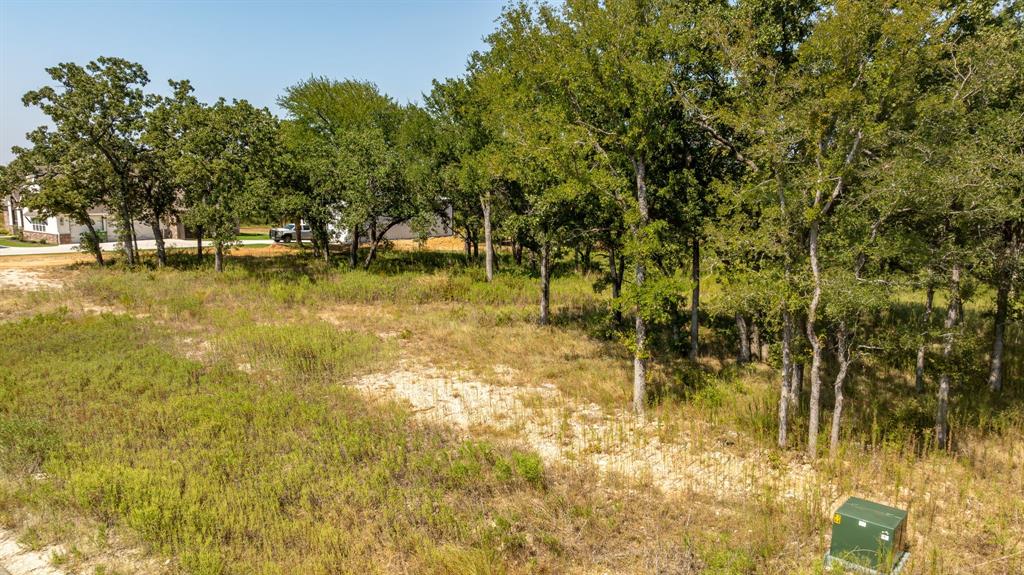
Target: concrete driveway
(112, 246)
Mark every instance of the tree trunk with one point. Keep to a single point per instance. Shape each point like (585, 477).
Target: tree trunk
(378, 236)
(353, 248)
(218, 256)
(199, 244)
(617, 265)
(640, 351)
(796, 385)
(135, 242)
(314, 243)
(812, 338)
(545, 283)
(675, 320)
(1006, 272)
(298, 233)
(919, 367)
(131, 248)
(787, 367)
(755, 341)
(695, 301)
(995, 375)
(812, 311)
(325, 239)
(372, 255)
(485, 205)
(158, 235)
(843, 357)
(639, 358)
(952, 317)
(517, 252)
(613, 273)
(97, 250)
(741, 330)
(125, 236)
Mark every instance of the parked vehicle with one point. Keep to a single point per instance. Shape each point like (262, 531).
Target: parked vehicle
(287, 233)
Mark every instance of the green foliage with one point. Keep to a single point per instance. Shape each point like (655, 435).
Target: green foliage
(220, 156)
(351, 156)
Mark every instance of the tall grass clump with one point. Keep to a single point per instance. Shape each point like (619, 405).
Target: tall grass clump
(304, 351)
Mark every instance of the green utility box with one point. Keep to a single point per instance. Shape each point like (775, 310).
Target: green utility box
(868, 537)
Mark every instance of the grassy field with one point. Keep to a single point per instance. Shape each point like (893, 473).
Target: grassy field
(212, 421)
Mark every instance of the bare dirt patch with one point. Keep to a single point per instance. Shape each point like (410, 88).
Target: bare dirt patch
(19, 560)
(27, 279)
(447, 244)
(569, 432)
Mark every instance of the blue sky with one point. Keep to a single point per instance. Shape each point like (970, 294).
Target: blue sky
(238, 49)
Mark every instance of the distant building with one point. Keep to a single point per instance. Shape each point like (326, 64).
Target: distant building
(404, 231)
(63, 230)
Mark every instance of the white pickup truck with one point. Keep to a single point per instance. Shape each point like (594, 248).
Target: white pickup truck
(287, 233)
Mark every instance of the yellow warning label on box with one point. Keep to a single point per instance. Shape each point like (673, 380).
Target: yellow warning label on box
(837, 519)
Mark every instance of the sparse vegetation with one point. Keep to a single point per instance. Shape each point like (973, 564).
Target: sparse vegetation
(207, 417)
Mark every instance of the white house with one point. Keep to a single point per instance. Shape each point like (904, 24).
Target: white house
(62, 230)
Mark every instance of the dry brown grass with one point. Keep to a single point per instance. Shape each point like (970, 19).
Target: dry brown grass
(44, 260)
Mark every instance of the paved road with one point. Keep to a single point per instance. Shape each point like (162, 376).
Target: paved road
(109, 247)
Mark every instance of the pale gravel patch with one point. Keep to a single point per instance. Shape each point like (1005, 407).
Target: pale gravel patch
(19, 560)
(99, 309)
(25, 279)
(199, 349)
(561, 429)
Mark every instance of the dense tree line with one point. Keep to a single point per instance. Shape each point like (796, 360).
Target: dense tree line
(820, 158)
